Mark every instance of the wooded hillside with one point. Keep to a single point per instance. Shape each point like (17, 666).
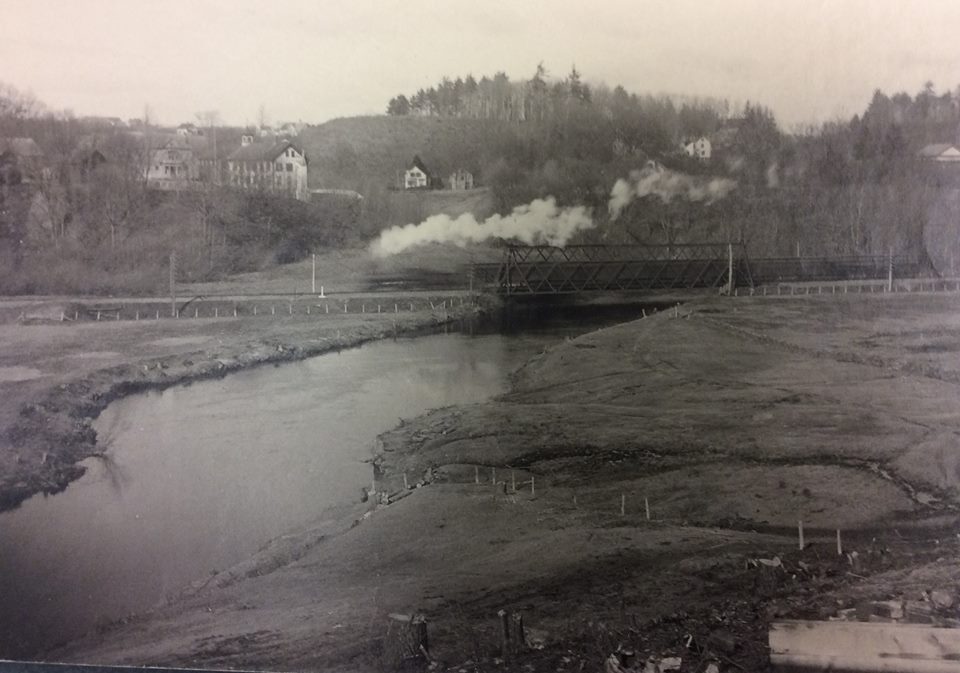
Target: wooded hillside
(856, 186)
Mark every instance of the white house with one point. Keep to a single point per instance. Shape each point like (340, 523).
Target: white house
(699, 148)
(942, 153)
(416, 176)
(174, 166)
(275, 166)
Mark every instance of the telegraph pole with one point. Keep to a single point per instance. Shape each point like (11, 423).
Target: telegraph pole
(730, 267)
(173, 284)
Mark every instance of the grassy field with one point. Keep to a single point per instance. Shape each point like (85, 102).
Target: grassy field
(733, 419)
(355, 270)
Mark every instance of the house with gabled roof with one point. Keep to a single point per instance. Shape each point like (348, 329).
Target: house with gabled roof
(87, 156)
(418, 176)
(173, 165)
(942, 153)
(699, 148)
(270, 165)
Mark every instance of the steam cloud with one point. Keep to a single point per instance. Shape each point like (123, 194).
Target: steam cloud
(667, 184)
(542, 221)
(538, 222)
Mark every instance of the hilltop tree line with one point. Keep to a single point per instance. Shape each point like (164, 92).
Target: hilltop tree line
(651, 123)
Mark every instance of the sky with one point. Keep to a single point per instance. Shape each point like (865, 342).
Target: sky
(313, 60)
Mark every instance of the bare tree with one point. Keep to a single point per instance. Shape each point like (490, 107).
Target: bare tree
(19, 104)
(262, 118)
(211, 119)
(147, 142)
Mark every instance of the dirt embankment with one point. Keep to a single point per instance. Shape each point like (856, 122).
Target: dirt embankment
(731, 421)
(56, 377)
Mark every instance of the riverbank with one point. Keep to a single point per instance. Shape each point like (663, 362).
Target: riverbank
(55, 377)
(731, 419)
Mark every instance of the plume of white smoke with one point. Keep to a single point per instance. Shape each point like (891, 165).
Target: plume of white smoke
(667, 184)
(538, 222)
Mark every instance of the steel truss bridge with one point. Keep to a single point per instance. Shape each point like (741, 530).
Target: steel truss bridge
(546, 270)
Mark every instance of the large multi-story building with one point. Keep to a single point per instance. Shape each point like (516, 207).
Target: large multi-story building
(274, 166)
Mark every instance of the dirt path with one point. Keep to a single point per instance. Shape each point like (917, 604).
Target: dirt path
(732, 421)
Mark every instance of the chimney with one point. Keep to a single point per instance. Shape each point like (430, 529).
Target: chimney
(245, 140)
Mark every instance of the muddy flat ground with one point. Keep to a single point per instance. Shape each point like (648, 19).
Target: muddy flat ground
(732, 418)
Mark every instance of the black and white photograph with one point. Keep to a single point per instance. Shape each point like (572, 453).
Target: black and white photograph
(480, 337)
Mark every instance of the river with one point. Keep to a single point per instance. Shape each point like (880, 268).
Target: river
(196, 478)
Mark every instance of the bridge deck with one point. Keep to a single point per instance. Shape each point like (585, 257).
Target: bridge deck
(543, 270)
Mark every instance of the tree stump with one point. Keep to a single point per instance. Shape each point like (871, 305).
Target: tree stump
(406, 647)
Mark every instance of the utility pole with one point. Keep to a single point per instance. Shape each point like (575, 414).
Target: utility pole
(313, 282)
(173, 284)
(730, 267)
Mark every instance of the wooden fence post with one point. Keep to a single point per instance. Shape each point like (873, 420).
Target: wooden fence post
(517, 637)
(890, 270)
(512, 637)
(504, 617)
